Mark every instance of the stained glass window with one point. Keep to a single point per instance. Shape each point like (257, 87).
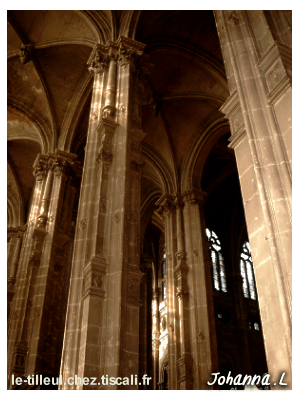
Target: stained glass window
(247, 272)
(218, 267)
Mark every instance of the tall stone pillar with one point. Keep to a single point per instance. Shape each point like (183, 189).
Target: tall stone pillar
(258, 67)
(102, 326)
(147, 316)
(33, 329)
(185, 361)
(202, 318)
(155, 336)
(15, 237)
(242, 321)
(168, 212)
(192, 342)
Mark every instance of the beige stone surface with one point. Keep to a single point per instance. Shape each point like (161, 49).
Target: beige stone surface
(129, 134)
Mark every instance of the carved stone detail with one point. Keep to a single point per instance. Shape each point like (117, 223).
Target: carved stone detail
(276, 65)
(233, 18)
(97, 63)
(26, 52)
(40, 171)
(102, 206)
(181, 293)
(126, 55)
(275, 75)
(122, 108)
(165, 205)
(20, 357)
(117, 217)
(82, 224)
(100, 246)
(104, 156)
(136, 165)
(237, 120)
(93, 278)
(133, 284)
(59, 167)
(155, 105)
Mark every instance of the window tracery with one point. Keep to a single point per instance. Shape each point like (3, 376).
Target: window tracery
(247, 272)
(219, 274)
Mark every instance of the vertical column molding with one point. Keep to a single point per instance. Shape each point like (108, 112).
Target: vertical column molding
(17, 350)
(167, 210)
(185, 362)
(16, 237)
(33, 294)
(255, 113)
(108, 233)
(155, 335)
(202, 319)
(89, 247)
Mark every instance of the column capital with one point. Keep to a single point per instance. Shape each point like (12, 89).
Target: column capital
(165, 204)
(61, 162)
(16, 232)
(98, 61)
(123, 51)
(194, 196)
(177, 200)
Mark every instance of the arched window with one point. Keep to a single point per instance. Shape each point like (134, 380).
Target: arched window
(163, 273)
(247, 272)
(219, 275)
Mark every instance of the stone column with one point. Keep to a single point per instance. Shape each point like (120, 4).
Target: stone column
(245, 364)
(155, 326)
(17, 359)
(185, 361)
(33, 334)
(15, 236)
(202, 318)
(146, 310)
(167, 211)
(259, 110)
(102, 326)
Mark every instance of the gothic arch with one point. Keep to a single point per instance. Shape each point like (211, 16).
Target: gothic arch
(168, 184)
(15, 212)
(128, 23)
(75, 112)
(32, 118)
(163, 368)
(98, 24)
(199, 149)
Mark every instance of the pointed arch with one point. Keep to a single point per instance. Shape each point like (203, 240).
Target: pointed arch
(15, 199)
(199, 148)
(168, 184)
(128, 23)
(74, 112)
(29, 114)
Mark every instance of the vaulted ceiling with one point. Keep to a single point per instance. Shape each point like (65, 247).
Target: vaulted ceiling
(49, 97)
